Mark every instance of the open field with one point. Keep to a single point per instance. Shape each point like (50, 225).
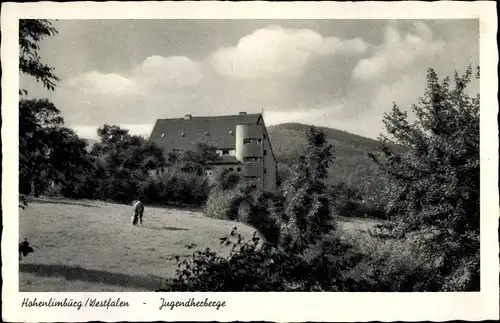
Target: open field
(92, 246)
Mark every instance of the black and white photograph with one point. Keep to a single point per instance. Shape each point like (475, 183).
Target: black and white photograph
(249, 155)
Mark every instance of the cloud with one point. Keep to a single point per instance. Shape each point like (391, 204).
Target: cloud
(95, 82)
(397, 51)
(308, 77)
(155, 71)
(172, 70)
(275, 51)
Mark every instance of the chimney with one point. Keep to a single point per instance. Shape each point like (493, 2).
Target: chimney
(187, 117)
(242, 113)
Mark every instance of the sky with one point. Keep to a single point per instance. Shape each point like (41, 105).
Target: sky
(343, 74)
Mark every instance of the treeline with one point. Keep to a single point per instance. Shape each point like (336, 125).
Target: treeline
(120, 167)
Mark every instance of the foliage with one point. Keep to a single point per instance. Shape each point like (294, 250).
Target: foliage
(196, 161)
(348, 202)
(435, 183)
(392, 265)
(174, 188)
(31, 32)
(253, 266)
(120, 163)
(283, 173)
(307, 206)
(48, 152)
(352, 166)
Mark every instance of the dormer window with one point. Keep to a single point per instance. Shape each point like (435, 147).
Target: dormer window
(230, 132)
(183, 134)
(207, 133)
(162, 135)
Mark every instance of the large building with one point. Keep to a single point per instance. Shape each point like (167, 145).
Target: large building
(241, 142)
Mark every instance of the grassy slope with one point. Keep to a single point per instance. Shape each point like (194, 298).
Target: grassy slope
(352, 164)
(92, 246)
(96, 244)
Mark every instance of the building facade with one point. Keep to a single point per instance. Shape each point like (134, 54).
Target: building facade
(241, 142)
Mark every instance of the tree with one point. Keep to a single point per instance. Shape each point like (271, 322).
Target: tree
(121, 150)
(199, 159)
(435, 183)
(48, 152)
(31, 32)
(307, 203)
(127, 159)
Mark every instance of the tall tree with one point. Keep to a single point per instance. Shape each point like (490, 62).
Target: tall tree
(47, 150)
(307, 203)
(31, 32)
(435, 183)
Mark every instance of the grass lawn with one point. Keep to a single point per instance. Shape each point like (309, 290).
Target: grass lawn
(92, 246)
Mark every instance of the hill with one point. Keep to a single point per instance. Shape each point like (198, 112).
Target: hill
(351, 166)
(289, 140)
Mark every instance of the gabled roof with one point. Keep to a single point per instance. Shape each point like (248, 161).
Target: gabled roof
(216, 131)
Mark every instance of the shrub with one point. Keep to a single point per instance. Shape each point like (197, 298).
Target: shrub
(253, 266)
(218, 204)
(284, 172)
(348, 202)
(392, 265)
(174, 188)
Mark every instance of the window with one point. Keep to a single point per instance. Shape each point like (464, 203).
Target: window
(252, 140)
(265, 170)
(231, 169)
(225, 152)
(238, 169)
(252, 159)
(264, 136)
(252, 177)
(265, 152)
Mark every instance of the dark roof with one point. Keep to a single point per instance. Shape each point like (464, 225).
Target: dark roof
(213, 131)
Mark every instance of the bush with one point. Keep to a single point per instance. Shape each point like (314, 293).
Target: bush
(253, 266)
(392, 265)
(348, 202)
(218, 204)
(174, 188)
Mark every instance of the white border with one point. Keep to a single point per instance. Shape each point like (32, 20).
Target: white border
(290, 307)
